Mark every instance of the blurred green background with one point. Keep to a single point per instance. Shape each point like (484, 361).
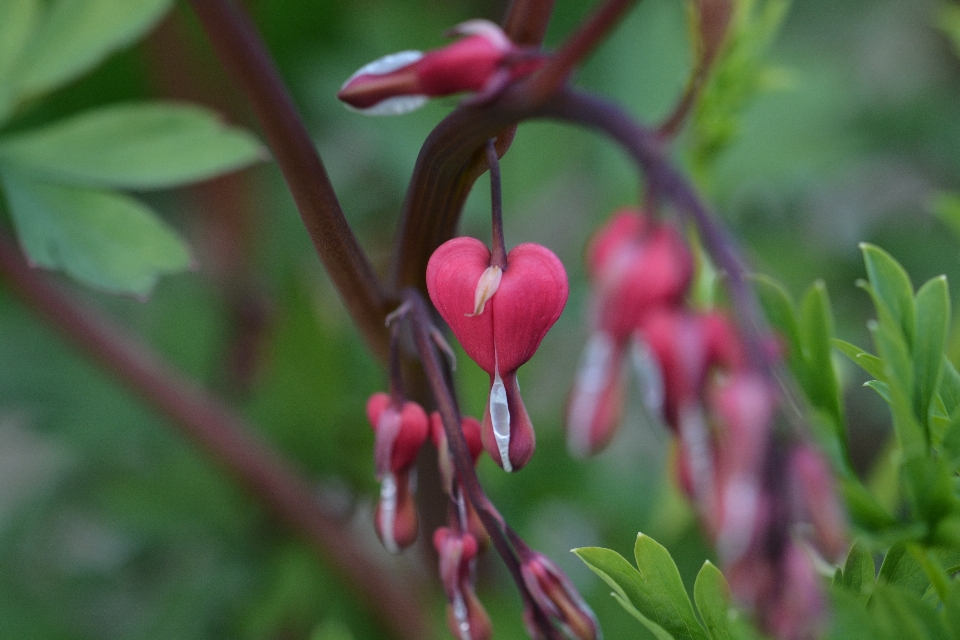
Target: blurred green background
(114, 527)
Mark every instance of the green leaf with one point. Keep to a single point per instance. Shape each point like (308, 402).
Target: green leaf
(892, 287)
(859, 571)
(77, 34)
(133, 146)
(712, 595)
(18, 18)
(864, 508)
(895, 608)
(949, 391)
(816, 328)
(900, 568)
(779, 309)
(951, 611)
(671, 605)
(103, 239)
(629, 588)
(932, 323)
(882, 389)
(866, 361)
(946, 206)
(655, 591)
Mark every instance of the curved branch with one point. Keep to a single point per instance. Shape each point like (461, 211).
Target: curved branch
(244, 54)
(225, 437)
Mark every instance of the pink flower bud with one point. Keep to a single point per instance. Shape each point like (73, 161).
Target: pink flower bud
(595, 405)
(399, 433)
(638, 266)
(471, 433)
(528, 299)
(556, 596)
(401, 82)
(395, 519)
(466, 617)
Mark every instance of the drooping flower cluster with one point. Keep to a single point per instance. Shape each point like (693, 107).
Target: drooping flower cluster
(500, 316)
(750, 486)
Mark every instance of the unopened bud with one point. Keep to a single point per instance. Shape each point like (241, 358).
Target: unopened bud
(558, 599)
(395, 518)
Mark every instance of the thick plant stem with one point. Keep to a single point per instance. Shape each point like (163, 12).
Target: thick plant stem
(225, 437)
(244, 54)
(493, 522)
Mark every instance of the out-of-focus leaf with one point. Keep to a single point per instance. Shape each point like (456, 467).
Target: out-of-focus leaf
(900, 568)
(103, 239)
(892, 287)
(850, 619)
(18, 19)
(133, 146)
(882, 389)
(946, 206)
(712, 595)
(949, 391)
(779, 309)
(905, 614)
(859, 571)
(669, 603)
(816, 327)
(630, 590)
(932, 323)
(75, 35)
(951, 611)
(866, 361)
(864, 508)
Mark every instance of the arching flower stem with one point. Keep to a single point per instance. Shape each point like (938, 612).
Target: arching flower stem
(498, 252)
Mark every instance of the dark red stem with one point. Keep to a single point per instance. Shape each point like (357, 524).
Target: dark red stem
(244, 55)
(498, 253)
(225, 437)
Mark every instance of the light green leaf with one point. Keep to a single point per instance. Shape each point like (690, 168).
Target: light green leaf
(18, 18)
(133, 146)
(866, 361)
(864, 508)
(882, 389)
(712, 595)
(629, 588)
(895, 608)
(900, 568)
(946, 206)
(75, 35)
(950, 388)
(951, 611)
(859, 571)
(816, 327)
(103, 239)
(892, 287)
(932, 323)
(668, 603)
(779, 309)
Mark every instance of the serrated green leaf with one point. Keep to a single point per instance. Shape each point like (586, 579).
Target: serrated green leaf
(671, 606)
(932, 323)
(133, 146)
(712, 595)
(75, 35)
(859, 571)
(816, 328)
(892, 287)
(18, 19)
(866, 361)
(629, 588)
(104, 239)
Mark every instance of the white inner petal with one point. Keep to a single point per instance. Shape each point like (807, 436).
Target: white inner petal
(500, 418)
(386, 64)
(694, 436)
(648, 375)
(460, 613)
(740, 500)
(388, 512)
(591, 381)
(395, 106)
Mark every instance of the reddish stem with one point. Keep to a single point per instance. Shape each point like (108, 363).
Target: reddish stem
(498, 254)
(225, 437)
(244, 54)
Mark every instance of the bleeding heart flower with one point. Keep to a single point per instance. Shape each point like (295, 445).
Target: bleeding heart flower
(483, 61)
(399, 434)
(595, 405)
(500, 319)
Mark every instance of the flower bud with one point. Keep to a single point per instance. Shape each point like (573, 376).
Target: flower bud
(638, 266)
(595, 405)
(399, 433)
(818, 502)
(395, 519)
(529, 297)
(471, 433)
(401, 82)
(558, 599)
(466, 617)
